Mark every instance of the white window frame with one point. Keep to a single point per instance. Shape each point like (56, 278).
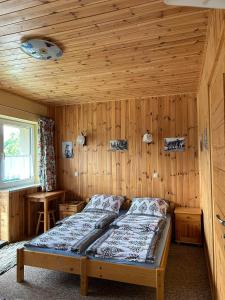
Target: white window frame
(16, 183)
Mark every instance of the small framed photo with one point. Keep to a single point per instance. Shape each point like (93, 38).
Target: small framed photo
(174, 144)
(118, 145)
(67, 149)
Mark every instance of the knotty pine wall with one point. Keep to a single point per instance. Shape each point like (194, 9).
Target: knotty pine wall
(130, 173)
(215, 34)
(212, 160)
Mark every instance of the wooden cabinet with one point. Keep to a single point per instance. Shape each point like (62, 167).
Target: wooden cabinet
(4, 215)
(70, 208)
(12, 221)
(188, 225)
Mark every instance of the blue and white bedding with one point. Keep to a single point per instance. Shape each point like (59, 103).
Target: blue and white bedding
(74, 233)
(98, 219)
(133, 239)
(139, 221)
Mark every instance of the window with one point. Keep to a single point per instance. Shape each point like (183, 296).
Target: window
(17, 159)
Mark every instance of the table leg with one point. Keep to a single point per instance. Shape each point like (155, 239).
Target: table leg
(46, 225)
(28, 218)
(64, 197)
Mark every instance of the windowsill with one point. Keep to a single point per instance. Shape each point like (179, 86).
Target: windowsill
(20, 188)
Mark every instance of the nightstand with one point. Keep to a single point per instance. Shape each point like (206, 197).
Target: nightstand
(69, 208)
(188, 223)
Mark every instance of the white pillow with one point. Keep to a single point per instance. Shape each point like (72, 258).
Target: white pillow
(105, 203)
(148, 206)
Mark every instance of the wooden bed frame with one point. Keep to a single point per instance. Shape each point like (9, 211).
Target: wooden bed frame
(131, 273)
(97, 268)
(56, 262)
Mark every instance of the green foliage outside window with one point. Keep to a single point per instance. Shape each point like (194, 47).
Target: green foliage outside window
(12, 145)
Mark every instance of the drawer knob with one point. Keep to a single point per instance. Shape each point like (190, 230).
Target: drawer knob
(222, 222)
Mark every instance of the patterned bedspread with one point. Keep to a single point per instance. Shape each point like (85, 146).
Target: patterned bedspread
(142, 222)
(74, 233)
(96, 219)
(131, 241)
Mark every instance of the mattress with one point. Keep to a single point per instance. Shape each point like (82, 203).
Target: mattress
(75, 233)
(158, 251)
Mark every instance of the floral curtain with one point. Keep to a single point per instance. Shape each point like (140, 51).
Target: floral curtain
(47, 165)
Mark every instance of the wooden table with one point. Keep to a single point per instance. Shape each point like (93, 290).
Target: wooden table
(45, 198)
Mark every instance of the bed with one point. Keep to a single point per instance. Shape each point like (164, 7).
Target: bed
(77, 262)
(61, 248)
(150, 275)
(145, 274)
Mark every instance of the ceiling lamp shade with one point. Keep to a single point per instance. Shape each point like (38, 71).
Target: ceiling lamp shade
(41, 49)
(198, 3)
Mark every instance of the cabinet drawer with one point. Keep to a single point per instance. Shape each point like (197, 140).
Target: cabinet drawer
(188, 218)
(71, 207)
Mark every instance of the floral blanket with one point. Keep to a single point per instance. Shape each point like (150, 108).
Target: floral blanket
(75, 233)
(130, 241)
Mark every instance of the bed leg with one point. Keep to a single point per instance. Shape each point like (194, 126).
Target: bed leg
(160, 284)
(83, 277)
(20, 265)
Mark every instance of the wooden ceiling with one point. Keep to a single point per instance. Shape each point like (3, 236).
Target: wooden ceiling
(113, 49)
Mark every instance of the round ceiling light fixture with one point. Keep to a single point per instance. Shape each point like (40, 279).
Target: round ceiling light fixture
(41, 49)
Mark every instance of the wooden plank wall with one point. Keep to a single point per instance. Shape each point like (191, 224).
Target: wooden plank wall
(215, 37)
(211, 114)
(217, 111)
(130, 173)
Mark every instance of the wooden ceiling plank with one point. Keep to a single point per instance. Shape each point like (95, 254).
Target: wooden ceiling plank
(162, 42)
(71, 12)
(140, 68)
(138, 57)
(158, 43)
(164, 33)
(115, 49)
(48, 9)
(11, 6)
(95, 21)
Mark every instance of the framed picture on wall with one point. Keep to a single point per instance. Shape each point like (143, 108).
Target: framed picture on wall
(174, 144)
(67, 149)
(118, 145)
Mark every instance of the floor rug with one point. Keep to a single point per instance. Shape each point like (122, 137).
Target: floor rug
(8, 256)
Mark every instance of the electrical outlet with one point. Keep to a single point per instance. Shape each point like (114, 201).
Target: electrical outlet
(76, 173)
